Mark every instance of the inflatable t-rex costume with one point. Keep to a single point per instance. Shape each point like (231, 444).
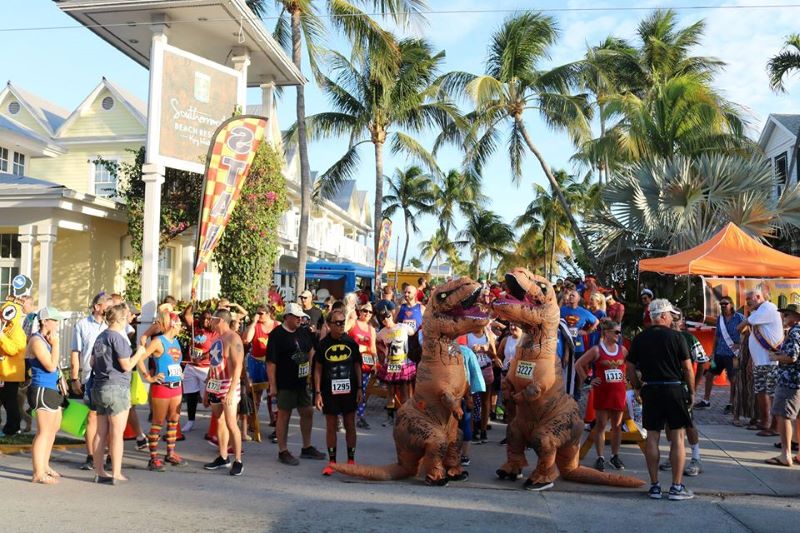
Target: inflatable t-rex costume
(546, 417)
(426, 431)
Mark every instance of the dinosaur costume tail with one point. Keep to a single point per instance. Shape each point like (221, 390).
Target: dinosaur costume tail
(374, 473)
(591, 476)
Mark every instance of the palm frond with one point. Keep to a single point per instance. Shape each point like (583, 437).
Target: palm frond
(329, 183)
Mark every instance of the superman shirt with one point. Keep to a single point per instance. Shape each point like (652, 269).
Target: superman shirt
(577, 319)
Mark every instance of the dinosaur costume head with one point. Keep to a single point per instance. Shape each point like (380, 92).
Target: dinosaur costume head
(526, 295)
(452, 309)
(12, 341)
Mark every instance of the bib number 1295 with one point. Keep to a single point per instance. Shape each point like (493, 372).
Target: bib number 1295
(340, 386)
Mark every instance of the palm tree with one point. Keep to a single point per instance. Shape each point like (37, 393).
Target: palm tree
(784, 62)
(438, 243)
(513, 84)
(415, 262)
(298, 19)
(486, 234)
(409, 192)
(372, 107)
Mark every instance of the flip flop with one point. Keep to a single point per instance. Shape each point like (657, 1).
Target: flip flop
(767, 433)
(738, 423)
(753, 427)
(47, 479)
(776, 461)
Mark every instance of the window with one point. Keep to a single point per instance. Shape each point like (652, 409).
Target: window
(105, 180)
(19, 164)
(107, 103)
(780, 172)
(3, 159)
(9, 261)
(164, 273)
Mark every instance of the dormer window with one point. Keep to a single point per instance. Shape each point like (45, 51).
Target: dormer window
(13, 107)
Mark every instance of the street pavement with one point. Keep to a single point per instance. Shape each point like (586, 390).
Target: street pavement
(736, 491)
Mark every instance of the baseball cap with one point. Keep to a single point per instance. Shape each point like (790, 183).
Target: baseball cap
(662, 305)
(306, 294)
(294, 309)
(51, 313)
(791, 308)
(648, 292)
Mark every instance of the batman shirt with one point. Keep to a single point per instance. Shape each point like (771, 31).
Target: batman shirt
(339, 359)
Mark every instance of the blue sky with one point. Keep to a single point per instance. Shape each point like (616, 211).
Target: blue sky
(64, 65)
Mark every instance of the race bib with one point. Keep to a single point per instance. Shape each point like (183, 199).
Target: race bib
(411, 323)
(394, 368)
(174, 371)
(368, 359)
(340, 386)
(573, 332)
(525, 369)
(197, 354)
(484, 360)
(614, 375)
(302, 370)
(214, 385)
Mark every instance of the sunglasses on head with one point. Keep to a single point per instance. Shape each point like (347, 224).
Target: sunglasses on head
(337, 322)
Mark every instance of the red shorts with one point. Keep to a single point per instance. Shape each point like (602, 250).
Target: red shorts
(162, 392)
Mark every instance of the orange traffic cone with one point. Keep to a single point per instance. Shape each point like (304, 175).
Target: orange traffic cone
(589, 416)
(211, 434)
(129, 433)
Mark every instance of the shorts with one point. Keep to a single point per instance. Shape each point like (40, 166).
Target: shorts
(256, 370)
(194, 379)
(214, 398)
(498, 377)
(764, 379)
(786, 403)
(488, 376)
(722, 362)
(289, 399)
(45, 399)
(665, 404)
(340, 404)
(111, 400)
(162, 392)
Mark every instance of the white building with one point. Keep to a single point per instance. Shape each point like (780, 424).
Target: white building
(779, 140)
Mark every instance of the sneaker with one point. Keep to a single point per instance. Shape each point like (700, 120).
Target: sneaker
(312, 453)
(465, 460)
(617, 463)
(219, 462)
(156, 465)
(237, 469)
(694, 468)
(666, 465)
(362, 423)
(88, 464)
(107, 464)
(728, 409)
(247, 438)
(503, 442)
(680, 492)
(175, 460)
(287, 458)
(476, 438)
(600, 464)
(702, 404)
(187, 427)
(273, 437)
(141, 444)
(484, 438)
(389, 422)
(328, 470)
(655, 491)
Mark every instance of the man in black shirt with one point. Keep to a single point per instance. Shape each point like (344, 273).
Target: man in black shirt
(337, 382)
(290, 353)
(661, 356)
(311, 311)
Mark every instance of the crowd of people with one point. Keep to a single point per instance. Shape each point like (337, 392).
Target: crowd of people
(331, 355)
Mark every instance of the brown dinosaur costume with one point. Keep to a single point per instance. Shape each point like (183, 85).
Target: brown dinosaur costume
(426, 431)
(546, 417)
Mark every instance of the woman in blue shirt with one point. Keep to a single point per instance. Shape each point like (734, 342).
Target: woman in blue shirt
(44, 396)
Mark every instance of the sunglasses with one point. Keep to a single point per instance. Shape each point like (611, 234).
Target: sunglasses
(724, 303)
(304, 297)
(366, 311)
(338, 323)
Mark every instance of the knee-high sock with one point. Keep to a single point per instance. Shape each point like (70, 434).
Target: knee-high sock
(172, 434)
(363, 405)
(152, 439)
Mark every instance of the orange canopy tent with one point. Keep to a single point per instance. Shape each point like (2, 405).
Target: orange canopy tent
(731, 252)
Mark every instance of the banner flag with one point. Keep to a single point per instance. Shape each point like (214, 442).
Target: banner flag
(230, 155)
(781, 292)
(382, 251)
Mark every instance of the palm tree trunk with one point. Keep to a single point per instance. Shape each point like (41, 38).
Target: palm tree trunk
(305, 172)
(552, 254)
(430, 265)
(405, 246)
(557, 190)
(378, 192)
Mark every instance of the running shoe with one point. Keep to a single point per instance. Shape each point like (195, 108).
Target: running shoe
(694, 468)
(187, 427)
(328, 470)
(666, 465)
(702, 404)
(530, 485)
(273, 437)
(728, 409)
(141, 444)
(680, 492)
(88, 464)
(219, 462)
(600, 464)
(362, 423)
(287, 458)
(312, 453)
(484, 438)
(156, 465)
(655, 491)
(175, 460)
(237, 469)
(617, 463)
(465, 460)
(503, 442)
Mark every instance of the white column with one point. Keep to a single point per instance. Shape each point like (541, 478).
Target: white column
(187, 272)
(267, 99)
(241, 60)
(27, 240)
(47, 239)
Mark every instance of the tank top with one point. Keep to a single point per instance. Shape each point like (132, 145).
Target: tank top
(260, 339)
(39, 376)
(363, 337)
(169, 362)
(219, 374)
(411, 315)
(483, 358)
(610, 367)
(201, 343)
(509, 351)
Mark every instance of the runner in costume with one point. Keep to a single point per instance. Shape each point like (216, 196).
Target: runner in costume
(165, 390)
(223, 391)
(337, 380)
(608, 386)
(364, 334)
(396, 369)
(196, 371)
(410, 313)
